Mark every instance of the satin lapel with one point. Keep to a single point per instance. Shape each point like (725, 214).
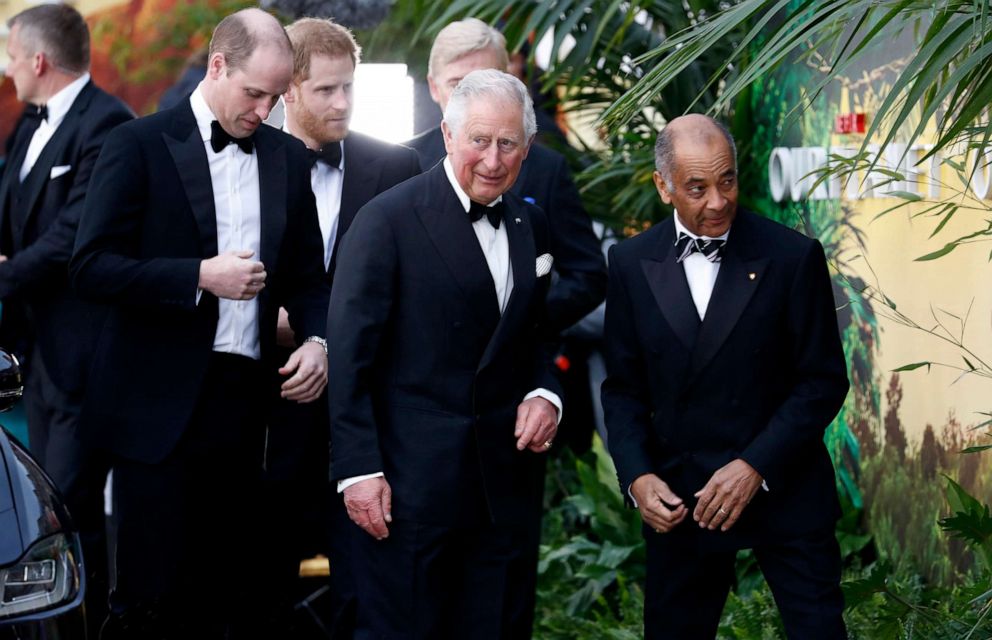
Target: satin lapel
(738, 279)
(272, 186)
(450, 231)
(190, 157)
(520, 237)
(666, 279)
(361, 174)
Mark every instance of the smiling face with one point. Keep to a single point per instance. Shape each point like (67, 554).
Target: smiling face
(704, 184)
(242, 98)
(320, 106)
(488, 149)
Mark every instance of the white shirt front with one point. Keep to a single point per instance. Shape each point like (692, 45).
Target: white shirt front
(327, 183)
(700, 273)
(58, 107)
(234, 178)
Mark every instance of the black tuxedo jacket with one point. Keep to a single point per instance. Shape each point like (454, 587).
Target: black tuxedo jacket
(148, 222)
(371, 167)
(38, 222)
(759, 379)
(426, 375)
(546, 181)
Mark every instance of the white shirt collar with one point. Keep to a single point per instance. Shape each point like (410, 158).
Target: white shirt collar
(679, 227)
(59, 104)
(462, 196)
(204, 116)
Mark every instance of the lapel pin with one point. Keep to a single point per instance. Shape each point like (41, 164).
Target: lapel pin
(752, 276)
(517, 220)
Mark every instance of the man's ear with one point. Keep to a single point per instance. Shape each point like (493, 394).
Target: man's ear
(662, 187)
(435, 96)
(39, 63)
(448, 135)
(290, 96)
(216, 66)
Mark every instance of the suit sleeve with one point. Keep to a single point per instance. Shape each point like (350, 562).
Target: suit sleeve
(626, 398)
(103, 267)
(361, 301)
(820, 373)
(49, 255)
(579, 264)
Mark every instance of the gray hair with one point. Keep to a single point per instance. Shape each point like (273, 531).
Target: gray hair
(58, 31)
(495, 85)
(462, 38)
(664, 150)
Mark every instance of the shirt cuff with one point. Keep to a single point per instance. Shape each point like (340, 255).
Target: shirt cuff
(550, 396)
(199, 294)
(347, 482)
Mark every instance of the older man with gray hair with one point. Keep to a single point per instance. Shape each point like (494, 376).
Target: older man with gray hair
(442, 403)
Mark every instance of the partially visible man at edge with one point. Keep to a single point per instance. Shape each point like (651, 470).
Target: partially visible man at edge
(49, 164)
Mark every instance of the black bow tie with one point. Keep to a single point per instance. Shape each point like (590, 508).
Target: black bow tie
(220, 139)
(329, 154)
(36, 113)
(493, 213)
(685, 246)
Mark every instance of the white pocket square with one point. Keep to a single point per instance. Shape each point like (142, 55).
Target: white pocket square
(60, 171)
(544, 263)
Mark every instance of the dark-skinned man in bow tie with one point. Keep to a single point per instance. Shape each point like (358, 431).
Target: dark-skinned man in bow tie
(348, 169)
(441, 401)
(724, 369)
(199, 226)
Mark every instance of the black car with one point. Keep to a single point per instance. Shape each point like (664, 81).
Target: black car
(41, 565)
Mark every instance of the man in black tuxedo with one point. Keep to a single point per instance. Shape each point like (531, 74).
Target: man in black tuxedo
(441, 402)
(724, 368)
(199, 225)
(349, 169)
(545, 180)
(50, 161)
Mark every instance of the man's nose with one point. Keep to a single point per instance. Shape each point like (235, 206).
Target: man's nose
(491, 157)
(715, 200)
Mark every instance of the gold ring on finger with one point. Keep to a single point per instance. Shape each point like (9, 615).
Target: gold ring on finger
(723, 511)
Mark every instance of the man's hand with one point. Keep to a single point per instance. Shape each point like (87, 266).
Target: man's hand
(3, 258)
(232, 275)
(537, 424)
(660, 509)
(284, 333)
(308, 366)
(370, 505)
(724, 497)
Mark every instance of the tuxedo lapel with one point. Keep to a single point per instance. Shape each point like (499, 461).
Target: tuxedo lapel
(361, 174)
(190, 157)
(451, 232)
(272, 185)
(11, 178)
(520, 237)
(739, 277)
(670, 289)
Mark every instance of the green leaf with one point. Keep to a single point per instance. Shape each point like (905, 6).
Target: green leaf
(905, 195)
(950, 246)
(857, 592)
(914, 366)
(976, 449)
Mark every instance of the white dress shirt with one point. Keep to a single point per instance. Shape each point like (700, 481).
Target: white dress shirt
(496, 248)
(234, 178)
(699, 272)
(327, 183)
(58, 107)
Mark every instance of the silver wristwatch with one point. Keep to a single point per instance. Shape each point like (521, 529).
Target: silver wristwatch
(318, 340)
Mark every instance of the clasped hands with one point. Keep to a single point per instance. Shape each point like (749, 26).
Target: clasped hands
(370, 502)
(233, 275)
(720, 503)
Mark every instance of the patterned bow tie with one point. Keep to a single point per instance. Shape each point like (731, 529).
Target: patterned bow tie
(685, 246)
(493, 213)
(36, 113)
(329, 154)
(220, 139)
